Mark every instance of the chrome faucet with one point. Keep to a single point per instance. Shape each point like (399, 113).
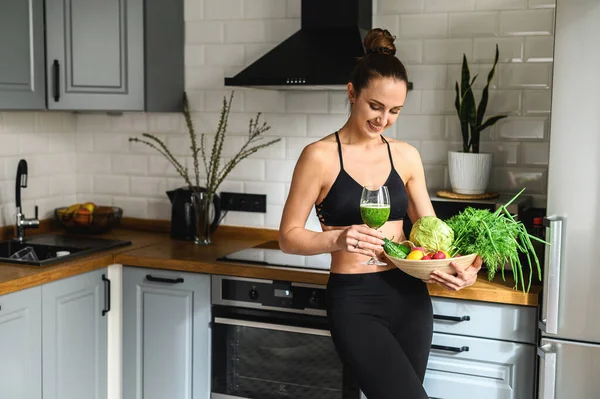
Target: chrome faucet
(22, 222)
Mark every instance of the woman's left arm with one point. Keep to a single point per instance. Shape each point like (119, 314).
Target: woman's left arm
(419, 205)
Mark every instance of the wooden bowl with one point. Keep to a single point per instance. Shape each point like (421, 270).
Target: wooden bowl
(422, 269)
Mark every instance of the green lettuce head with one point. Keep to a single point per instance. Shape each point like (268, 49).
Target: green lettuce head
(432, 234)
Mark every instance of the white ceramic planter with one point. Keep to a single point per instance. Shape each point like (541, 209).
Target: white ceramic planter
(469, 173)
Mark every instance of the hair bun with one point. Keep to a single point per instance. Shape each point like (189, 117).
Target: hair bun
(380, 41)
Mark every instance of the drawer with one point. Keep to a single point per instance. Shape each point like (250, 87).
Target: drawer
(467, 367)
(486, 320)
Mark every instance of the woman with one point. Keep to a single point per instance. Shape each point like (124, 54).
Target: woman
(380, 318)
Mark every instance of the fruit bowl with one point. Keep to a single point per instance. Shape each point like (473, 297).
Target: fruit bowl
(422, 269)
(88, 219)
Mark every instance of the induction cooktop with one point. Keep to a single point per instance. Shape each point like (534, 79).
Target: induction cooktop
(269, 254)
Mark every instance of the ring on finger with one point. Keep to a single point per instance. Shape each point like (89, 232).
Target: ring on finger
(357, 244)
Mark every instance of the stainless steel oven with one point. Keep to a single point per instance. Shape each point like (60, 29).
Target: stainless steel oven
(270, 339)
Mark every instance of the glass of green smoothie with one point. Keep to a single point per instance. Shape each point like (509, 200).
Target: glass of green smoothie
(375, 211)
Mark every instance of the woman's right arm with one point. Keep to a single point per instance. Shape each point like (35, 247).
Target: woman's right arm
(304, 190)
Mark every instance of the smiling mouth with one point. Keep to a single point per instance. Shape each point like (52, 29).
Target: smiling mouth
(374, 127)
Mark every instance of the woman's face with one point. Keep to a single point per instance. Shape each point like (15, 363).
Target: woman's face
(378, 105)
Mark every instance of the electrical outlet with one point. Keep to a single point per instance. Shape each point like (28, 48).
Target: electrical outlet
(244, 202)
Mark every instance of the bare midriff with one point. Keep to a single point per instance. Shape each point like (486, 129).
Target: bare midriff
(346, 262)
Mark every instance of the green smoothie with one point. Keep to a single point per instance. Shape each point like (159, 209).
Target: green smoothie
(374, 215)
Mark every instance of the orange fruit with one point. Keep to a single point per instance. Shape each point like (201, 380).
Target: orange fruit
(83, 216)
(415, 255)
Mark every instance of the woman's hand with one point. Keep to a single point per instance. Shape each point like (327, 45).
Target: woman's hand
(462, 279)
(360, 239)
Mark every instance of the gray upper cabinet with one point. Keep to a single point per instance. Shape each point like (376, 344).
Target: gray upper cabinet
(75, 339)
(22, 55)
(95, 54)
(21, 344)
(166, 334)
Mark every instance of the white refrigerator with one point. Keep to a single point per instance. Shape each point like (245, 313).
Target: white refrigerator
(570, 314)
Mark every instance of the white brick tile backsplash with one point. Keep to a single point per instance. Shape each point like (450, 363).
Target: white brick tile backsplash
(279, 171)
(250, 170)
(420, 127)
(535, 75)
(264, 101)
(142, 186)
(33, 143)
(410, 51)
(473, 24)
(510, 49)
(446, 51)
(295, 145)
(193, 10)
(248, 31)
(537, 102)
(535, 153)
(527, 22)
(400, 6)
(159, 209)
(539, 49)
(19, 122)
(307, 103)
(504, 153)
(390, 22)
(428, 76)
(258, 9)
(280, 29)
(129, 164)
(412, 104)
(500, 4)
(113, 185)
(10, 143)
(323, 125)
(86, 156)
(204, 32)
(62, 184)
(423, 25)
(204, 77)
(223, 9)
(522, 128)
(275, 192)
(542, 3)
(223, 54)
(445, 5)
(293, 8)
(338, 102)
(132, 207)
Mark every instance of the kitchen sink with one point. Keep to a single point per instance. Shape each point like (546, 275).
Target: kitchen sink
(47, 249)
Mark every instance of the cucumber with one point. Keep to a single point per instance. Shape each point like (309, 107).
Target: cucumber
(395, 249)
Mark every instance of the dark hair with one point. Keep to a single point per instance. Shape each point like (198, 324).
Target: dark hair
(379, 60)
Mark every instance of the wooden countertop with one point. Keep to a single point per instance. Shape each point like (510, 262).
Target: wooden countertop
(158, 250)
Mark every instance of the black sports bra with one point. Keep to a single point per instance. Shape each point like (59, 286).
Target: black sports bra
(341, 205)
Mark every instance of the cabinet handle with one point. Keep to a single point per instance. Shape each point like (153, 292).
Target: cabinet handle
(106, 295)
(164, 280)
(450, 348)
(451, 318)
(56, 80)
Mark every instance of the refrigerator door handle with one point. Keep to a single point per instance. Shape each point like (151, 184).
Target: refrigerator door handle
(547, 354)
(549, 314)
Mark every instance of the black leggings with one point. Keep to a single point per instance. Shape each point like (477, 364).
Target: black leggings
(381, 324)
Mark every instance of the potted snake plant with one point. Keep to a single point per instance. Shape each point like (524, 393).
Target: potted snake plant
(470, 169)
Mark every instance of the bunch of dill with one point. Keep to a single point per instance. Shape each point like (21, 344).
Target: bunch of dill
(498, 238)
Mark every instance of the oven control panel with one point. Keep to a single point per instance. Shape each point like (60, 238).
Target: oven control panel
(278, 294)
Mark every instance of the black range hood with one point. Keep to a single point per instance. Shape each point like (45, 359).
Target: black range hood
(321, 55)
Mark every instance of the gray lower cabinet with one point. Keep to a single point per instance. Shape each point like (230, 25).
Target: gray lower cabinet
(482, 350)
(22, 83)
(75, 337)
(166, 334)
(21, 344)
(95, 54)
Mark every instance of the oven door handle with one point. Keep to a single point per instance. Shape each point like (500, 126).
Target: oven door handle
(269, 326)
